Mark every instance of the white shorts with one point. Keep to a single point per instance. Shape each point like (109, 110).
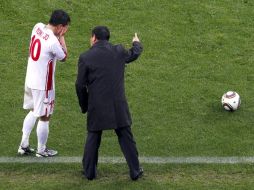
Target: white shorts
(41, 101)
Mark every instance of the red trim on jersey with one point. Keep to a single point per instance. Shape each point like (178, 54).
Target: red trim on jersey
(49, 77)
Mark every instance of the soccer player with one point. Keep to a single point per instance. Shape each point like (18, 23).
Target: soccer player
(47, 45)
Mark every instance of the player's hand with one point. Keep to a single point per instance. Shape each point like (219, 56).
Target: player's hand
(63, 31)
(135, 38)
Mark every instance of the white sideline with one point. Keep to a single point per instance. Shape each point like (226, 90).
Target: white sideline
(148, 160)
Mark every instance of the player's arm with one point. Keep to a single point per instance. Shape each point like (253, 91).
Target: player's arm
(61, 53)
(133, 53)
(59, 50)
(64, 47)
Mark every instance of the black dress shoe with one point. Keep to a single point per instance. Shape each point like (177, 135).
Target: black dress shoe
(84, 174)
(140, 174)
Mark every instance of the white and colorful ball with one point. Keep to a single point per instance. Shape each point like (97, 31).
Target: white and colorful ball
(231, 101)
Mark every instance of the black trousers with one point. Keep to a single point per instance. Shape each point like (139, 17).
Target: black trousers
(127, 144)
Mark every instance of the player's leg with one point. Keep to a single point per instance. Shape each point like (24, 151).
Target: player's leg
(28, 123)
(44, 105)
(28, 126)
(128, 147)
(90, 158)
(42, 136)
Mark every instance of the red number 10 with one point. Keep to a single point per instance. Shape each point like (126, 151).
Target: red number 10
(35, 42)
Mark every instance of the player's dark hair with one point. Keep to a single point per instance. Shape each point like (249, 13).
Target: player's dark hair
(59, 17)
(101, 33)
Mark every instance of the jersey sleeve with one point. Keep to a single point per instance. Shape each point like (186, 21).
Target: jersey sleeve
(58, 51)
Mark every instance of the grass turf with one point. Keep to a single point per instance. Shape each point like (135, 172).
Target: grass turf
(194, 51)
(68, 176)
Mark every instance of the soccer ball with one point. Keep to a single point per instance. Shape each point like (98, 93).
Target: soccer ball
(231, 101)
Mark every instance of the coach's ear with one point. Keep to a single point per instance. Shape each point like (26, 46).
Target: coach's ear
(93, 40)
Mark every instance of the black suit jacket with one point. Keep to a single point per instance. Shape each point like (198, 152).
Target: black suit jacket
(100, 85)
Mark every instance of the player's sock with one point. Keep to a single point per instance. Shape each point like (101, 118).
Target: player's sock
(42, 135)
(28, 126)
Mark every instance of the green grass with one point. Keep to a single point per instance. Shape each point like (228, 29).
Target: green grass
(110, 177)
(194, 51)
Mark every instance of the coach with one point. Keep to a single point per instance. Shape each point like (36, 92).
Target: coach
(100, 91)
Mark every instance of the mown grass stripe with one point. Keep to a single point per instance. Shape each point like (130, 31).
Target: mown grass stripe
(148, 160)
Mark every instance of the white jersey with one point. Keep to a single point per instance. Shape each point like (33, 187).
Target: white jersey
(45, 50)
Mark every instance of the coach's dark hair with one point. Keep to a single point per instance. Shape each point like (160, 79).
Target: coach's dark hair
(59, 17)
(101, 33)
